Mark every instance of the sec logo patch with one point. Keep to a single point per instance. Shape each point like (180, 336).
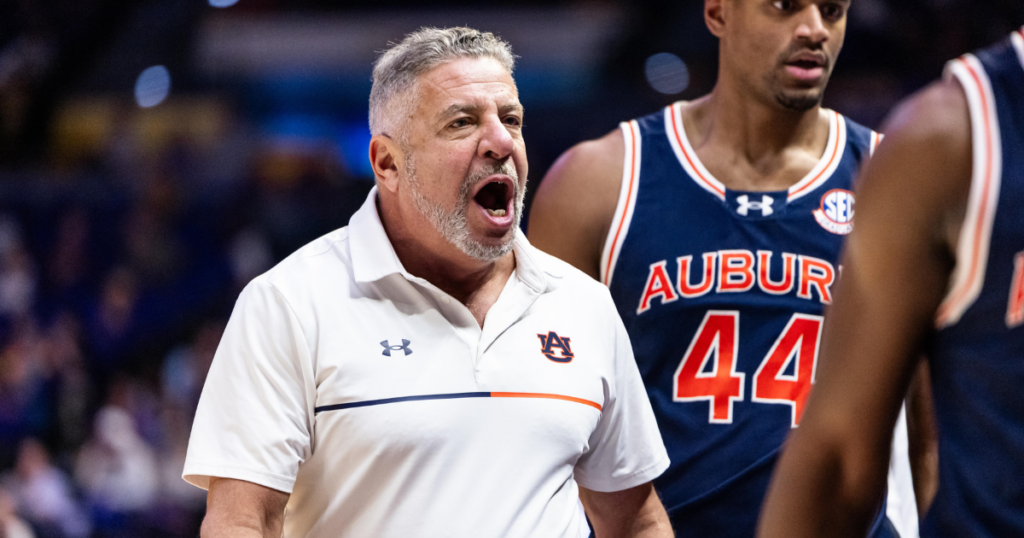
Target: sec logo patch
(836, 211)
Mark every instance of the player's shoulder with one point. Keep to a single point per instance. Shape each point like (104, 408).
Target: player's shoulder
(576, 200)
(936, 115)
(599, 162)
(588, 162)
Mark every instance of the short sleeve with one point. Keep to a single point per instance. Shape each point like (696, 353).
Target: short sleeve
(626, 449)
(255, 413)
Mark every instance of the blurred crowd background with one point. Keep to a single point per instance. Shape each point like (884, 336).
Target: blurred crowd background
(155, 155)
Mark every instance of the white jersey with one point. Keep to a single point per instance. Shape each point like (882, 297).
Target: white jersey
(385, 410)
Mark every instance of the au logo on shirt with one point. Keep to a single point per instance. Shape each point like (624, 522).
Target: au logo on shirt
(551, 342)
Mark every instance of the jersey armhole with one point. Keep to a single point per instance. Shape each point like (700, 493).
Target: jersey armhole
(1017, 40)
(876, 139)
(627, 201)
(986, 173)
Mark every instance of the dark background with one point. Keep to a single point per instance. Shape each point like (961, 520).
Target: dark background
(126, 232)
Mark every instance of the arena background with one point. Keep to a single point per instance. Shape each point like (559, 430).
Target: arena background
(155, 155)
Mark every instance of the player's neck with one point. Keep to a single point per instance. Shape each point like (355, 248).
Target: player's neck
(757, 128)
(749, 144)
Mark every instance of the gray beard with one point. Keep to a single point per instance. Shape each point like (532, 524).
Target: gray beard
(452, 224)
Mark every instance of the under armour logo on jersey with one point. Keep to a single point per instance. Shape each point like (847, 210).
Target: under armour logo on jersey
(551, 342)
(764, 206)
(388, 348)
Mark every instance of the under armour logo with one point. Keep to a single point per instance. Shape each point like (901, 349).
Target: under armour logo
(550, 342)
(765, 205)
(388, 348)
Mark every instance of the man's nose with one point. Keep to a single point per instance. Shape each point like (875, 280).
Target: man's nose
(812, 27)
(496, 142)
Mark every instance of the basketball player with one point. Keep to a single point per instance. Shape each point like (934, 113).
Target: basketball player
(936, 265)
(717, 225)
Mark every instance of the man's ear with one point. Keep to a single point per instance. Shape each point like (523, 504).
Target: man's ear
(714, 16)
(384, 158)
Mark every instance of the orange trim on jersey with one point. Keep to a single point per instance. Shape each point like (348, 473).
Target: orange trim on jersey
(545, 396)
(676, 128)
(835, 151)
(633, 172)
(958, 295)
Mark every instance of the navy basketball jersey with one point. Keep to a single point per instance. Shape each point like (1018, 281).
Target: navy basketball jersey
(723, 294)
(977, 358)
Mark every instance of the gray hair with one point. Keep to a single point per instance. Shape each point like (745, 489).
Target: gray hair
(397, 69)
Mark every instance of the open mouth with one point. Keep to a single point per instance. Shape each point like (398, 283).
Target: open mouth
(494, 197)
(806, 64)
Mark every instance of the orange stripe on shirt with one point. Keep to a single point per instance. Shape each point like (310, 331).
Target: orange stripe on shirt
(595, 405)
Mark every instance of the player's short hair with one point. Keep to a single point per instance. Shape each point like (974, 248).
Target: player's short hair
(396, 71)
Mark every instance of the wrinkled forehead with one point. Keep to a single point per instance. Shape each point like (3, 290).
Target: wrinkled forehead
(467, 84)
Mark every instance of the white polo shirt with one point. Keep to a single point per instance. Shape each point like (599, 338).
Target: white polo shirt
(380, 404)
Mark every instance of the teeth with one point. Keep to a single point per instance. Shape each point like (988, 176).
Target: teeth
(496, 212)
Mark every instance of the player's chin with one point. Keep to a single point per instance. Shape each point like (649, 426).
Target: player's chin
(802, 99)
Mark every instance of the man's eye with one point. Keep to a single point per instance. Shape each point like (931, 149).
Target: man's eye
(459, 123)
(514, 121)
(832, 12)
(783, 5)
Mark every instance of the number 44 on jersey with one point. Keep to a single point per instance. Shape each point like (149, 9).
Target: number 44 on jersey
(708, 369)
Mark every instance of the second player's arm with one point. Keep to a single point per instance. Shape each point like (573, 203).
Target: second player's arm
(831, 476)
(576, 200)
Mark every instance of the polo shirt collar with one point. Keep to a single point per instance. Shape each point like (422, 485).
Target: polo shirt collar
(374, 257)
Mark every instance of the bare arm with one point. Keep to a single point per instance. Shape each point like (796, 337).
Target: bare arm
(635, 513)
(924, 439)
(831, 476)
(575, 202)
(239, 509)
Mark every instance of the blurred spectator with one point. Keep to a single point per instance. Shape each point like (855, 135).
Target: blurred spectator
(23, 63)
(185, 368)
(17, 284)
(11, 526)
(43, 494)
(67, 383)
(251, 256)
(182, 377)
(17, 272)
(112, 323)
(153, 251)
(24, 409)
(69, 260)
(182, 505)
(118, 472)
